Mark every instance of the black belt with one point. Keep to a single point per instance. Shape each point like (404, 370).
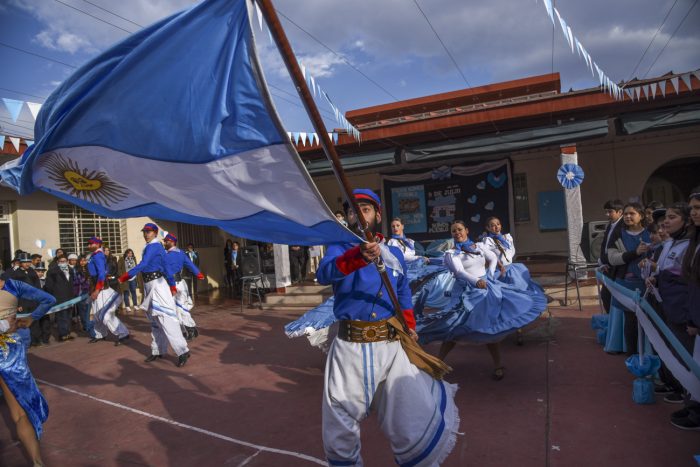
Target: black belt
(151, 276)
(366, 331)
(177, 276)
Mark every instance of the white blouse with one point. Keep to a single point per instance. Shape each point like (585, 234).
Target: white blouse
(471, 268)
(409, 254)
(490, 244)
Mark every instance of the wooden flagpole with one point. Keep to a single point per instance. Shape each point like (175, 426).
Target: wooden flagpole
(290, 61)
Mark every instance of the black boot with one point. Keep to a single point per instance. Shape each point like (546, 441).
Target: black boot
(182, 359)
(121, 340)
(152, 357)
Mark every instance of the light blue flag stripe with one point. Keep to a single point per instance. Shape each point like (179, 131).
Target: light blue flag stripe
(175, 122)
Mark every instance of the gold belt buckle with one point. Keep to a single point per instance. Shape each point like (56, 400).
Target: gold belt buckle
(370, 333)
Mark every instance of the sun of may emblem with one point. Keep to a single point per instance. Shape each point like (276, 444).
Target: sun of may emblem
(94, 186)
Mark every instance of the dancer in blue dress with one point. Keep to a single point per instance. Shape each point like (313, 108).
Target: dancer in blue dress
(480, 309)
(27, 405)
(503, 246)
(626, 250)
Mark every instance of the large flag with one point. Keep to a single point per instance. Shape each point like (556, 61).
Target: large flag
(176, 123)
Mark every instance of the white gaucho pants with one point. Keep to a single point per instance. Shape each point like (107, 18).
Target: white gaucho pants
(104, 310)
(184, 305)
(416, 412)
(161, 311)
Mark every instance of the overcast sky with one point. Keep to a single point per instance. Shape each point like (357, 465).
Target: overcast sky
(389, 41)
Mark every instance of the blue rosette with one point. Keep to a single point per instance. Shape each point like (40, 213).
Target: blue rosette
(570, 175)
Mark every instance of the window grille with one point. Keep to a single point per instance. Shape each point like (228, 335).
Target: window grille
(76, 225)
(522, 202)
(201, 236)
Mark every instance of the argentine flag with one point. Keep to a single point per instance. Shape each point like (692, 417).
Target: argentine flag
(176, 123)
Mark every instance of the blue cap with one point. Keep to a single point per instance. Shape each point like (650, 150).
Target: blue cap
(367, 195)
(96, 240)
(171, 237)
(150, 227)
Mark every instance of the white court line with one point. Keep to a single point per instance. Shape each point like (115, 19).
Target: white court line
(190, 427)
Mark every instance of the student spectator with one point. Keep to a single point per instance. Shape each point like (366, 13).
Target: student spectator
(625, 251)
(59, 283)
(340, 215)
(650, 208)
(128, 288)
(59, 251)
(112, 269)
(688, 418)
(193, 255)
(81, 286)
(613, 211)
(40, 329)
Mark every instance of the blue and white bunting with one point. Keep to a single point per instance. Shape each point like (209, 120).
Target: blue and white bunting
(242, 175)
(14, 107)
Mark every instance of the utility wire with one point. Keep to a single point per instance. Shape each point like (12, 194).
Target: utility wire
(340, 56)
(669, 39)
(476, 98)
(113, 13)
(651, 42)
(38, 55)
(95, 17)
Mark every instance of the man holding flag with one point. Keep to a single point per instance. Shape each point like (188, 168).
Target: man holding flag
(367, 366)
(159, 302)
(175, 261)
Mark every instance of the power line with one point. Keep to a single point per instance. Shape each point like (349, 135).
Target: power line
(338, 55)
(651, 42)
(451, 57)
(24, 93)
(38, 55)
(113, 13)
(669, 39)
(95, 17)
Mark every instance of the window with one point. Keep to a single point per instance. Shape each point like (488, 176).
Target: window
(201, 236)
(522, 202)
(76, 226)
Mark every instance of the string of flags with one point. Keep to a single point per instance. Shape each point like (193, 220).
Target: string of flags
(316, 89)
(647, 91)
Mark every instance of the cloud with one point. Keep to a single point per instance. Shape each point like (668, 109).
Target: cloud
(321, 65)
(63, 41)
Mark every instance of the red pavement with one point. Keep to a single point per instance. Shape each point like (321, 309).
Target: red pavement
(251, 396)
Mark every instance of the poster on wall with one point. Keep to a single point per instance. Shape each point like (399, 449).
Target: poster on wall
(408, 203)
(428, 201)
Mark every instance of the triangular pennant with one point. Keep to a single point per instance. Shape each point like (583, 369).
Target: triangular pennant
(562, 23)
(653, 90)
(629, 93)
(637, 92)
(15, 143)
(335, 137)
(259, 13)
(269, 36)
(674, 82)
(289, 135)
(686, 79)
(578, 46)
(303, 70)
(34, 109)
(600, 73)
(302, 136)
(313, 84)
(548, 6)
(696, 74)
(28, 142)
(14, 107)
(662, 86)
(571, 38)
(295, 138)
(2, 143)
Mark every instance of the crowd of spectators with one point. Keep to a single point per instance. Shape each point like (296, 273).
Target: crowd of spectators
(655, 249)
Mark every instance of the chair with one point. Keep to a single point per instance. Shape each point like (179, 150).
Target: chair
(252, 286)
(576, 268)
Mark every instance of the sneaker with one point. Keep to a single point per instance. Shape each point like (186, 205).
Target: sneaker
(674, 398)
(683, 413)
(685, 424)
(662, 390)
